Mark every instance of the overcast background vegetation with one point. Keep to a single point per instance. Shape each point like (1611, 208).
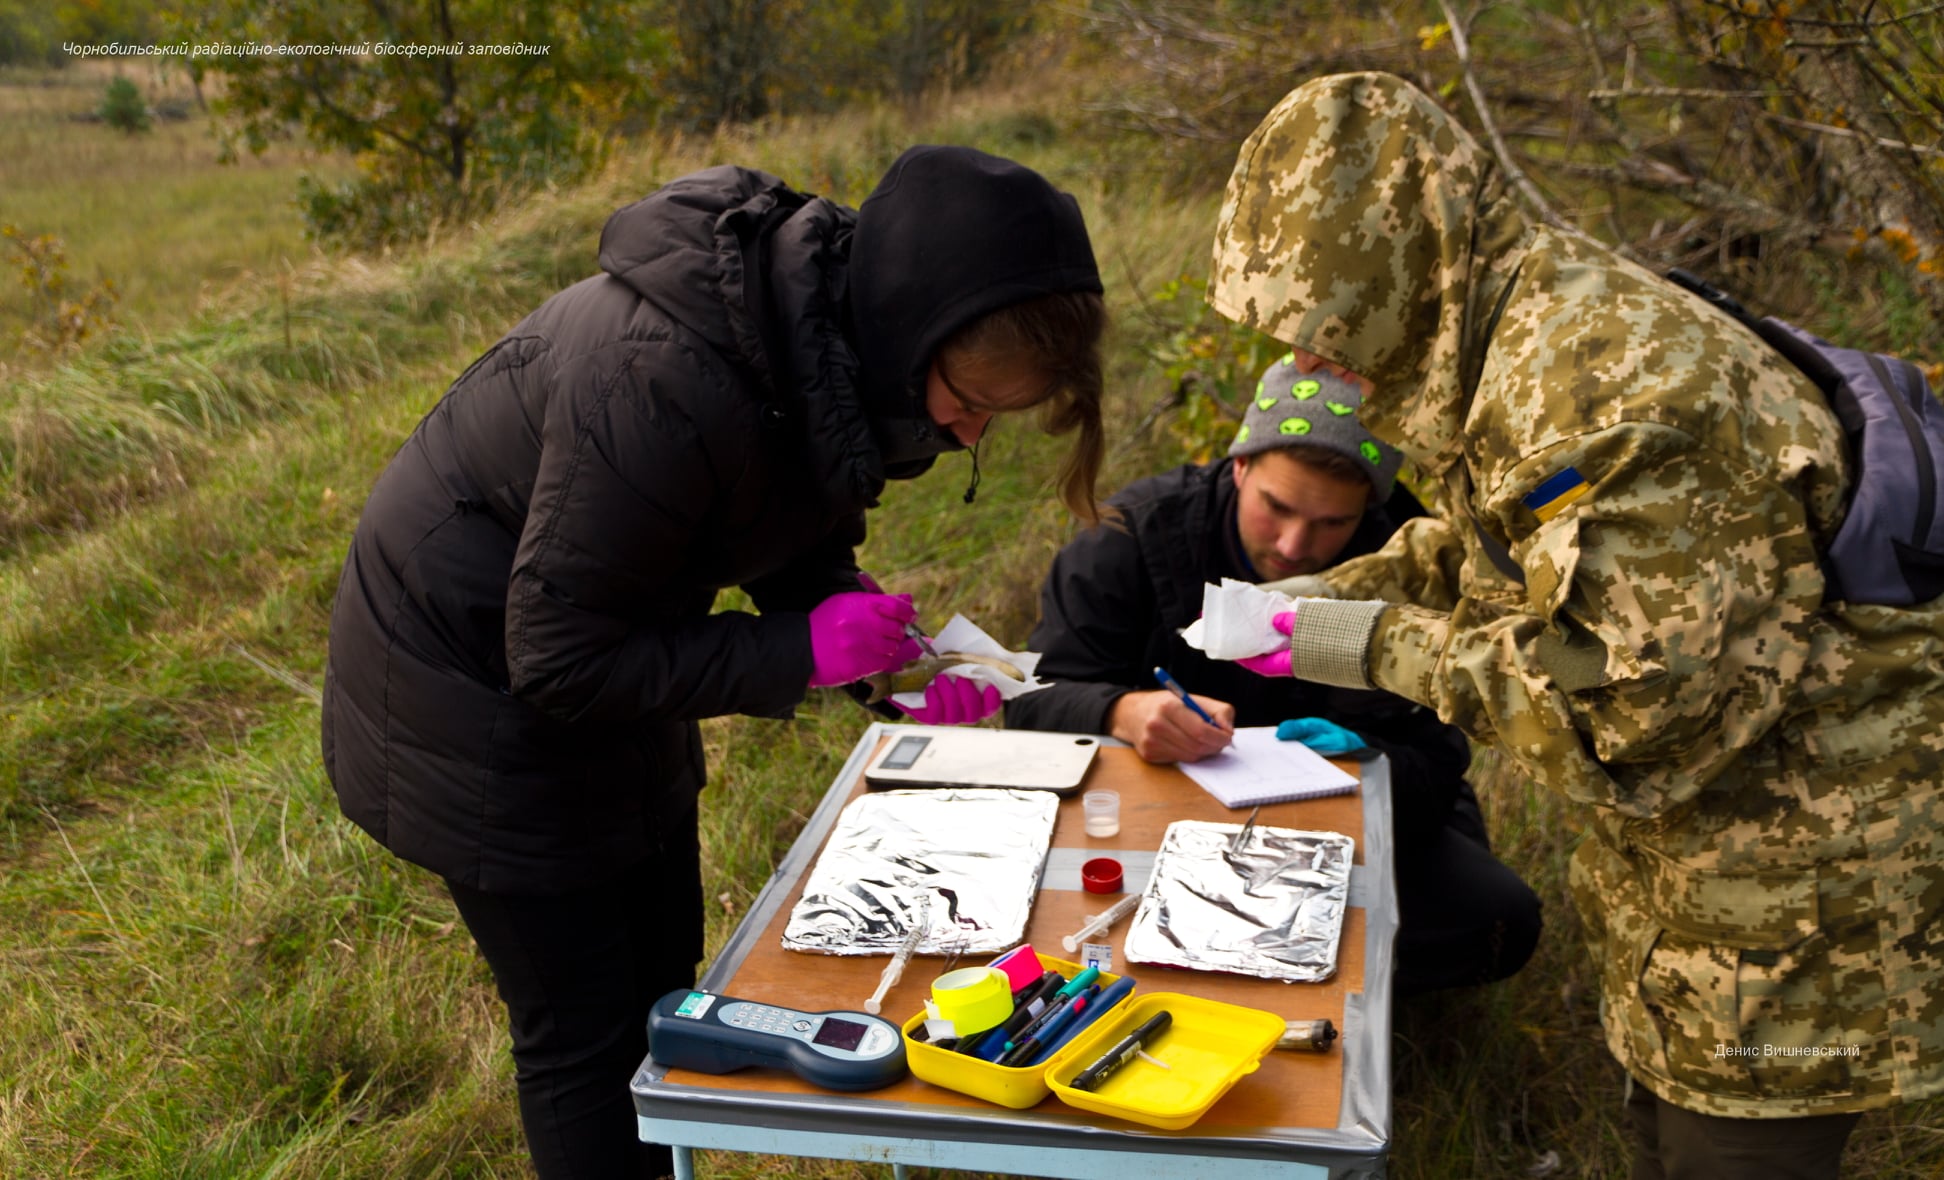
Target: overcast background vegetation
(232, 285)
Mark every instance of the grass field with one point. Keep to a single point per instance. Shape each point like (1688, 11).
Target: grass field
(151, 212)
(204, 970)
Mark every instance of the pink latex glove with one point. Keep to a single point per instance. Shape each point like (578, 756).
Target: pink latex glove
(954, 700)
(854, 635)
(1275, 663)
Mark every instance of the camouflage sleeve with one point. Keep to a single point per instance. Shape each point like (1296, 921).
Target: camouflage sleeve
(1419, 565)
(1666, 615)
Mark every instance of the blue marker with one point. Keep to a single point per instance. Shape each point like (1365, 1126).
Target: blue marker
(1077, 986)
(1033, 1047)
(1029, 1005)
(1174, 686)
(1102, 1004)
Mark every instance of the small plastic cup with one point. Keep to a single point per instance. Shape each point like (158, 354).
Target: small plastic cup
(1101, 807)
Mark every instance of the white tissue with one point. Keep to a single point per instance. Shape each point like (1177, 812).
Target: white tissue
(1236, 621)
(962, 634)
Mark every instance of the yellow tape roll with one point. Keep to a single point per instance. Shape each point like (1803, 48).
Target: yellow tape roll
(974, 999)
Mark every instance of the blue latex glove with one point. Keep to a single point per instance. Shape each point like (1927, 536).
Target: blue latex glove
(1325, 737)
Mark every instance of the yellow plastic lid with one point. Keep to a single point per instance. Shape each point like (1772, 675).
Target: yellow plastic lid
(1207, 1047)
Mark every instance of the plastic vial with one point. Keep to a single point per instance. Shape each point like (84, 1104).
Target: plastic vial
(1102, 810)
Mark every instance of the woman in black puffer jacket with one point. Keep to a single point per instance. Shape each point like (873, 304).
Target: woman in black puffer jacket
(522, 640)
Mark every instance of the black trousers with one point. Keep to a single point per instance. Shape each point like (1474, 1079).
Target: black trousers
(1463, 916)
(1675, 1144)
(578, 972)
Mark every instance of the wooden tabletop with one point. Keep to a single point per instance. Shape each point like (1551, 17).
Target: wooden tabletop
(1289, 1090)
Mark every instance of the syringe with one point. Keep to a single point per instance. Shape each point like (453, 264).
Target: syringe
(894, 970)
(1100, 922)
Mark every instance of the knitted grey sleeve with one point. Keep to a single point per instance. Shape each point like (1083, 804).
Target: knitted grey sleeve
(1330, 643)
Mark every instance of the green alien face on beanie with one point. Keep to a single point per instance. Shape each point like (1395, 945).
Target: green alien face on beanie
(1314, 410)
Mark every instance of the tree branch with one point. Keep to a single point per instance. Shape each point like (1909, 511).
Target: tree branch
(1610, 93)
(1865, 22)
(1698, 192)
(1462, 47)
(1852, 133)
(332, 107)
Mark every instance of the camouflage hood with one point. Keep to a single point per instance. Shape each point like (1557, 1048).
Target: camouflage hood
(1761, 884)
(1363, 224)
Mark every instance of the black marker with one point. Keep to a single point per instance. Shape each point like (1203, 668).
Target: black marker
(1028, 1002)
(1122, 1053)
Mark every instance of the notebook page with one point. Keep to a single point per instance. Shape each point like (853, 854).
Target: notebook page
(1257, 768)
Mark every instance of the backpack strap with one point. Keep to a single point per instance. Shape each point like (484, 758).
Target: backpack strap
(1889, 549)
(1714, 296)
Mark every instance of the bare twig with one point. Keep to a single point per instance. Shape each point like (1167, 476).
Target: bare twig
(85, 875)
(286, 678)
(1683, 92)
(1461, 45)
(1898, 145)
(36, 952)
(1167, 403)
(1866, 22)
(1160, 26)
(1698, 192)
(1215, 73)
(1610, 93)
(1889, 88)
(1833, 43)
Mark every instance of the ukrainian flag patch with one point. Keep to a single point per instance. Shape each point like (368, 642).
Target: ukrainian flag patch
(1550, 498)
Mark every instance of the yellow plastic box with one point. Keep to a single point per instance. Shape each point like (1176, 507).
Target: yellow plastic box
(1016, 1086)
(1208, 1047)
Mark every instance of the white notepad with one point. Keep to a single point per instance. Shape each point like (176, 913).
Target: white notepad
(1257, 768)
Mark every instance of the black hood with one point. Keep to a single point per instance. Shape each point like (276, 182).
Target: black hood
(949, 235)
(758, 271)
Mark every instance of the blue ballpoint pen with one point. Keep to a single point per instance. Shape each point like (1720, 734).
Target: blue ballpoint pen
(1174, 686)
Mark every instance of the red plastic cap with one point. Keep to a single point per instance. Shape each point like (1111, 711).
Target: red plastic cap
(1102, 874)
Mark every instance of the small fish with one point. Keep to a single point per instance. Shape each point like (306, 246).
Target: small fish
(913, 677)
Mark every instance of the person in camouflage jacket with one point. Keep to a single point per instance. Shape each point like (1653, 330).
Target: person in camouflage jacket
(1619, 587)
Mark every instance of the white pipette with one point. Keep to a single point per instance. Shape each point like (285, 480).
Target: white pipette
(894, 970)
(1100, 922)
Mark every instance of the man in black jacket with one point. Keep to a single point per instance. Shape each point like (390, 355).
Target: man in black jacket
(523, 640)
(1305, 486)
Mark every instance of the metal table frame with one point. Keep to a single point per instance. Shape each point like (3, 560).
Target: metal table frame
(1053, 1139)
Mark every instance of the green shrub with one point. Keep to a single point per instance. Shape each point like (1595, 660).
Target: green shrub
(123, 107)
(1209, 363)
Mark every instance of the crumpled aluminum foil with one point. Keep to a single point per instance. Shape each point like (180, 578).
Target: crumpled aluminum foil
(1272, 907)
(963, 861)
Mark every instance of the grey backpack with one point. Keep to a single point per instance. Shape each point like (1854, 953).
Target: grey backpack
(1890, 547)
